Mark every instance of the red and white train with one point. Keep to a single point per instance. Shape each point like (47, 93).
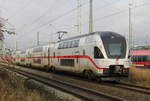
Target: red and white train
(140, 58)
(102, 54)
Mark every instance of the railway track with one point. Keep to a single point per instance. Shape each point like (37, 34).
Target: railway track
(76, 90)
(141, 89)
(124, 87)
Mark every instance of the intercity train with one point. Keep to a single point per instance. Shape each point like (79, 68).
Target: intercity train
(98, 54)
(140, 58)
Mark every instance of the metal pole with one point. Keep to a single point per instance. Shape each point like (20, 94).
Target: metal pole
(79, 17)
(16, 45)
(91, 16)
(38, 42)
(130, 27)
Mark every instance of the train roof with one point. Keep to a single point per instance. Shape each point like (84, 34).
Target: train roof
(98, 32)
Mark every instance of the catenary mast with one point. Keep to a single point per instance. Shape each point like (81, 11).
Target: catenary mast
(91, 16)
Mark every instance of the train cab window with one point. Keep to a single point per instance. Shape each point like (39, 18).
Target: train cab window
(97, 53)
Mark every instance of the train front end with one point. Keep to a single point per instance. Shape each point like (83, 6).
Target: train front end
(116, 54)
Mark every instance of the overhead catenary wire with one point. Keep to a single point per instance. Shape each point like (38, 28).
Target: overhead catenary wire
(58, 17)
(112, 3)
(22, 8)
(41, 16)
(122, 11)
(55, 19)
(104, 17)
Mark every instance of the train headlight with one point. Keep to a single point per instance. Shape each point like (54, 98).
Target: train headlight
(118, 68)
(100, 71)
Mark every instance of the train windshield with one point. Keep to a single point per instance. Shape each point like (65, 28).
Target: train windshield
(114, 49)
(115, 45)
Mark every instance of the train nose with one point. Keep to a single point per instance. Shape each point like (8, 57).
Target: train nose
(118, 70)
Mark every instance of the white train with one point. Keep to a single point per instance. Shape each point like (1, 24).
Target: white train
(102, 54)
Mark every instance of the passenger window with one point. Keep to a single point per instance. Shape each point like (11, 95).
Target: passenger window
(60, 46)
(73, 44)
(134, 58)
(139, 58)
(65, 45)
(97, 53)
(69, 44)
(76, 43)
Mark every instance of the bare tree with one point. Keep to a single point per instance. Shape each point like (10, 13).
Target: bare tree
(1, 31)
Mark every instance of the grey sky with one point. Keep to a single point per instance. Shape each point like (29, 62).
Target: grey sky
(28, 17)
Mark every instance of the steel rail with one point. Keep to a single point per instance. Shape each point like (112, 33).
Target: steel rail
(140, 89)
(127, 84)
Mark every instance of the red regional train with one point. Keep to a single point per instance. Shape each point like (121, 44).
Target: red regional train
(141, 58)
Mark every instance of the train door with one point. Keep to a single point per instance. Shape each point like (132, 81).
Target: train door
(77, 60)
(98, 56)
(48, 56)
(84, 61)
(51, 54)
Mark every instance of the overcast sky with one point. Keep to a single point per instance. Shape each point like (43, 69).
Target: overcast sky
(27, 17)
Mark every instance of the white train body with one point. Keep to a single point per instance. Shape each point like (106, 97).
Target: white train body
(102, 53)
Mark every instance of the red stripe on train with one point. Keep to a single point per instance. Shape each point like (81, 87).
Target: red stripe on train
(141, 63)
(75, 56)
